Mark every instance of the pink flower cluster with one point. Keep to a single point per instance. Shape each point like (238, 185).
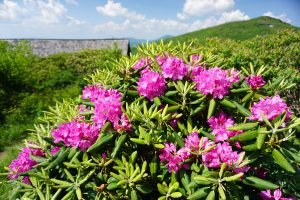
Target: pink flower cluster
(92, 92)
(24, 163)
(141, 63)
(151, 85)
(215, 81)
(222, 153)
(161, 58)
(218, 125)
(174, 68)
(255, 82)
(175, 159)
(107, 107)
(76, 134)
(271, 107)
(196, 58)
(277, 195)
(233, 75)
(54, 150)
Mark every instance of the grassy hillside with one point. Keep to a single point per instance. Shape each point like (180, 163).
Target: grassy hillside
(241, 30)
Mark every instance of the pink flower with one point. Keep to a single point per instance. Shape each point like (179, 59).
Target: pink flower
(277, 195)
(141, 63)
(192, 142)
(196, 70)
(173, 157)
(174, 68)
(54, 150)
(196, 58)
(108, 107)
(161, 59)
(233, 75)
(76, 134)
(151, 85)
(24, 163)
(255, 82)
(219, 125)
(123, 124)
(222, 153)
(92, 92)
(214, 81)
(271, 107)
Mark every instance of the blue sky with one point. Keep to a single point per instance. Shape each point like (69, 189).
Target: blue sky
(146, 19)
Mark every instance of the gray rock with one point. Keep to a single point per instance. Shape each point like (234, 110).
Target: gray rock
(45, 47)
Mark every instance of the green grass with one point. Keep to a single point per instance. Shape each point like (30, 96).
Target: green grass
(10, 153)
(241, 30)
(11, 133)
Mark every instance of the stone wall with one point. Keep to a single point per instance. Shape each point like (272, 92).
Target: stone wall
(45, 47)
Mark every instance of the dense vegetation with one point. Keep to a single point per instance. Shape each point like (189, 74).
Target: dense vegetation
(166, 124)
(29, 84)
(278, 52)
(241, 30)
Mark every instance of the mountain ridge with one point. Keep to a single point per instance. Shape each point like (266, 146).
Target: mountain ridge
(239, 30)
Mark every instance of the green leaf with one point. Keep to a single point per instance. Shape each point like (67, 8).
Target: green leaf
(133, 195)
(200, 193)
(144, 189)
(260, 140)
(138, 141)
(250, 147)
(227, 103)
(120, 141)
(244, 127)
(234, 177)
(182, 128)
(247, 97)
(211, 195)
(169, 101)
(221, 192)
(248, 135)
(259, 183)
(211, 108)
(281, 161)
(239, 90)
(112, 185)
(176, 195)
(59, 159)
(206, 134)
(241, 109)
(157, 101)
(100, 143)
(171, 93)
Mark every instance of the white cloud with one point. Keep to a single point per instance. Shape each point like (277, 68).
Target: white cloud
(75, 22)
(113, 9)
(10, 10)
(37, 12)
(234, 15)
(203, 7)
(282, 17)
(51, 12)
(112, 26)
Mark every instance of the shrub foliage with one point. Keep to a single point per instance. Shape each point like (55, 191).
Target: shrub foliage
(165, 124)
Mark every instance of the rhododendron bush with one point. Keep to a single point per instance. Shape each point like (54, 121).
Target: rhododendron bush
(168, 123)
